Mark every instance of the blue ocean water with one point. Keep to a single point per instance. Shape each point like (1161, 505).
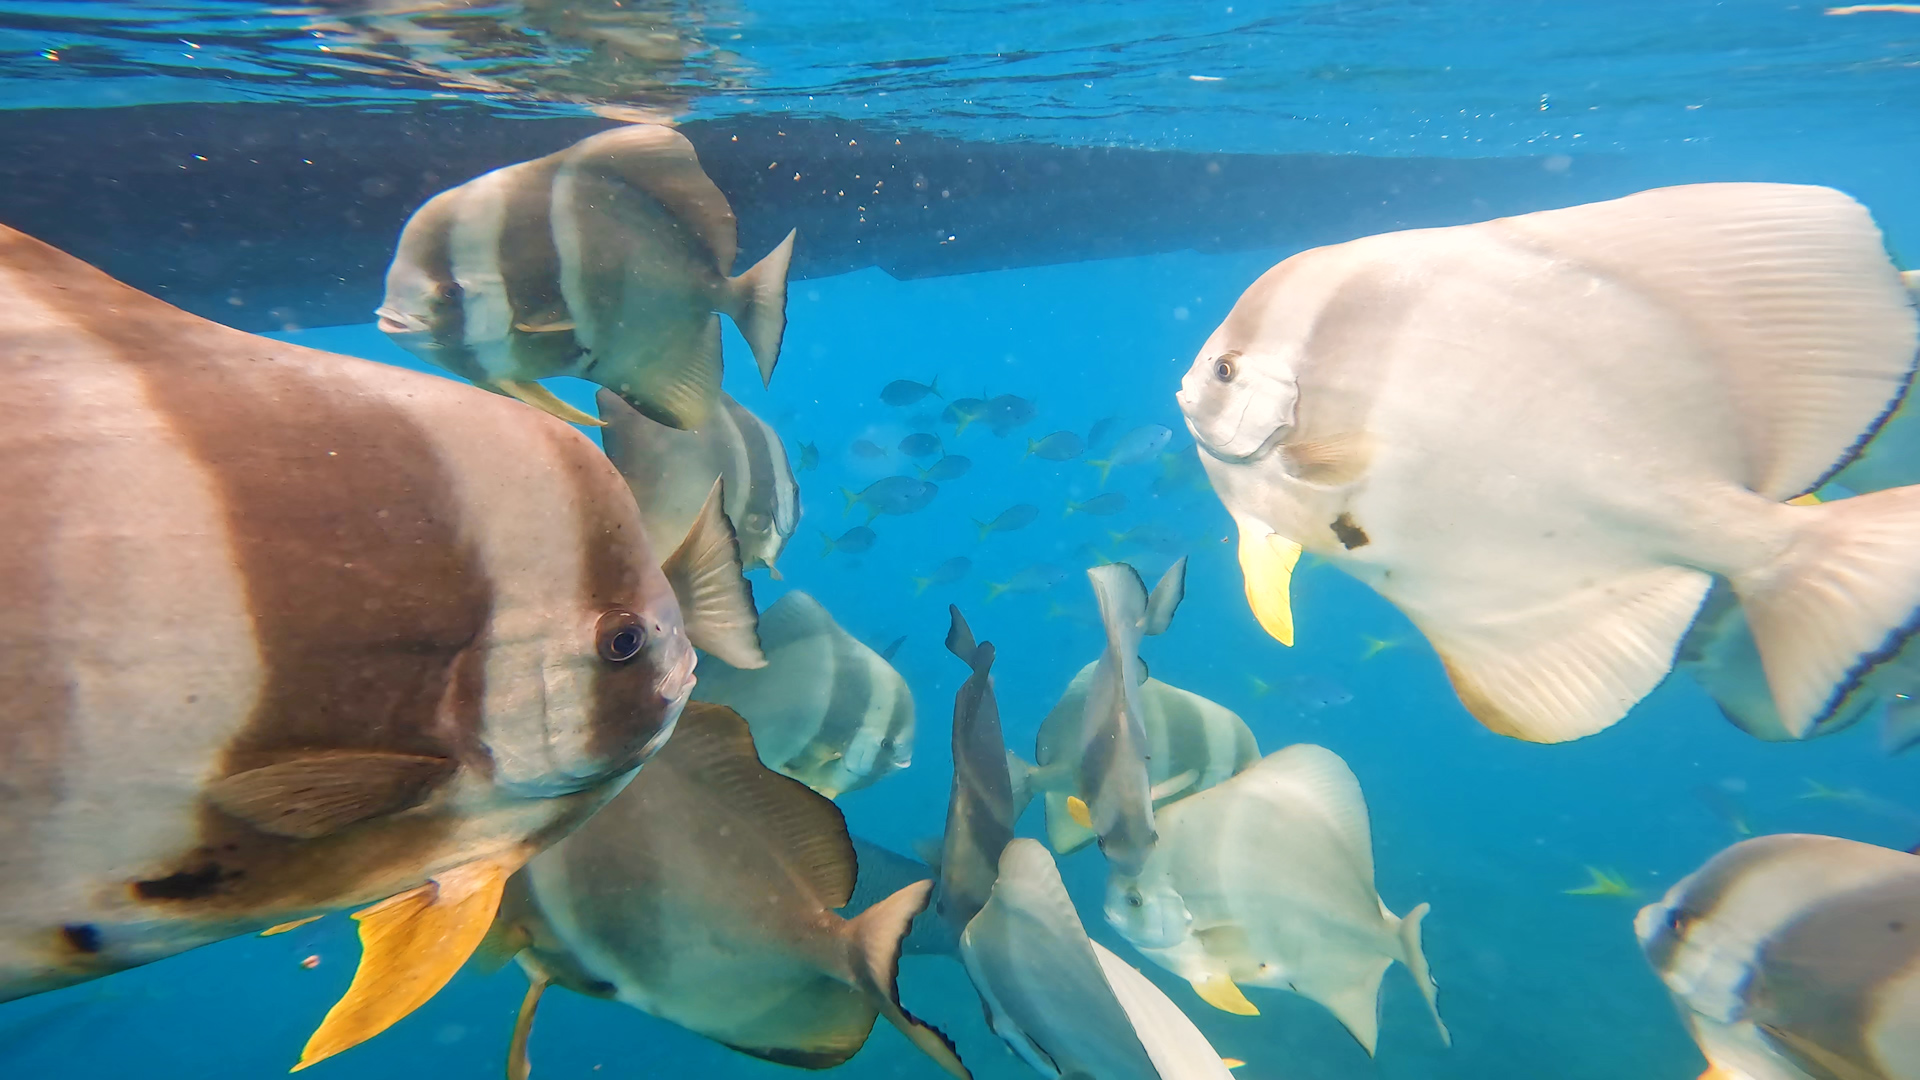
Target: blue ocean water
(1492, 832)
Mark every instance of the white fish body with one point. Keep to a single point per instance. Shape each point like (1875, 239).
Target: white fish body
(1043, 986)
(1267, 880)
(826, 710)
(1192, 744)
(1542, 436)
(1177, 1048)
(607, 260)
(1792, 957)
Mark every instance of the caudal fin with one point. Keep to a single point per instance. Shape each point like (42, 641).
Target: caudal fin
(874, 944)
(1416, 960)
(760, 306)
(1842, 600)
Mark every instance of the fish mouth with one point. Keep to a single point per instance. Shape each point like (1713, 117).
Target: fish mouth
(1266, 446)
(399, 324)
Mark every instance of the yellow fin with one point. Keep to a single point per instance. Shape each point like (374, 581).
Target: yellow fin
(1220, 992)
(286, 926)
(1232, 1063)
(411, 945)
(1266, 562)
(1077, 810)
(546, 401)
(1603, 883)
(543, 328)
(1808, 499)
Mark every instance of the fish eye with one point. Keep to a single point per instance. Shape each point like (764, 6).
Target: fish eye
(1133, 898)
(449, 291)
(1224, 368)
(618, 636)
(1678, 919)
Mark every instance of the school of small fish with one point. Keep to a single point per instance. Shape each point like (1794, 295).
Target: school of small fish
(414, 649)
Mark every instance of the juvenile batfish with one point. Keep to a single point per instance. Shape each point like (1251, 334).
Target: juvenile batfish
(1014, 517)
(1058, 1000)
(1649, 380)
(1795, 957)
(1136, 446)
(1059, 446)
(1109, 762)
(1192, 744)
(284, 632)
(607, 260)
(671, 471)
(826, 710)
(1267, 880)
(703, 894)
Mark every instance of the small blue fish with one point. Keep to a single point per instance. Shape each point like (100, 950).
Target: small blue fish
(951, 467)
(1103, 432)
(1136, 446)
(1036, 578)
(809, 457)
(1099, 506)
(1013, 517)
(1007, 412)
(852, 542)
(962, 412)
(1180, 471)
(1155, 538)
(945, 574)
(1059, 446)
(903, 392)
(866, 448)
(920, 445)
(893, 495)
(1308, 694)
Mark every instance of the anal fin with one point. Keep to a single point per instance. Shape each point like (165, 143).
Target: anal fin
(546, 401)
(716, 600)
(411, 946)
(1221, 992)
(1266, 564)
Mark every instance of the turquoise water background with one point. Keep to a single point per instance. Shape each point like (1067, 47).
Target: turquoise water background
(1534, 983)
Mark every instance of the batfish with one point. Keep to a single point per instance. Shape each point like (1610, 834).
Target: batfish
(1063, 1004)
(1795, 957)
(980, 809)
(284, 632)
(1542, 437)
(703, 894)
(607, 260)
(671, 471)
(1191, 745)
(1267, 880)
(826, 709)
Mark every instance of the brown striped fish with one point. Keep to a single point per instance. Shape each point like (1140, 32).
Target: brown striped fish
(283, 633)
(704, 894)
(1795, 957)
(826, 709)
(607, 260)
(670, 472)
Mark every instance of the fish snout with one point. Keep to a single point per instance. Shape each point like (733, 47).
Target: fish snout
(401, 324)
(1238, 405)
(1149, 919)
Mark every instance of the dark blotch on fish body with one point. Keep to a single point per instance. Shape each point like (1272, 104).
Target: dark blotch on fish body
(920, 445)
(1059, 446)
(82, 937)
(950, 467)
(1350, 534)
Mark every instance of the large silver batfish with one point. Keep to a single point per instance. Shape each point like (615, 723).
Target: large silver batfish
(1542, 437)
(607, 260)
(1795, 957)
(284, 632)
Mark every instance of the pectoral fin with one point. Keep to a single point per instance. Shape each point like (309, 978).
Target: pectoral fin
(1173, 785)
(1221, 993)
(286, 926)
(318, 794)
(716, 602)
(1266, 563)
(546, 401)
(411, 945)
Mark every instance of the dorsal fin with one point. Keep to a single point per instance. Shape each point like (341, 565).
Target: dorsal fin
(716, 600)
(1325, 779)
(1165, 598)
(713, 749)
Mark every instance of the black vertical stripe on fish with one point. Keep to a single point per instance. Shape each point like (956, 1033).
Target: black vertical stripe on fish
(342, 523)
(847, 707)
(1705, 891)
(529, 265)
(39, 697)
(610, 577)
(1818, 982)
